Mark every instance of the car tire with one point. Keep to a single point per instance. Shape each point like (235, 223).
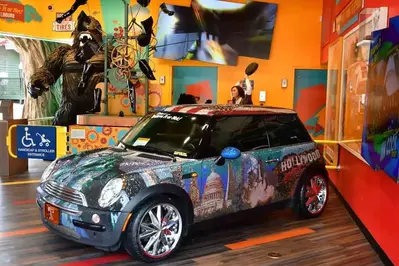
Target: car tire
(174, 229)
(312, 196)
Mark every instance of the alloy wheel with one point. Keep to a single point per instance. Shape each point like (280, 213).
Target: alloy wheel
(160, 230)
(316, 194)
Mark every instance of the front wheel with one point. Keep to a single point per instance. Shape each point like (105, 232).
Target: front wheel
(313, 196)
(155, 231)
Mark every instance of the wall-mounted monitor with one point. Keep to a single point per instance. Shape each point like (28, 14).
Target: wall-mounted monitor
(216, 31)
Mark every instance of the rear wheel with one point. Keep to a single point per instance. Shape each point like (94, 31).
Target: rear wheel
(313, 196)
(156, 230)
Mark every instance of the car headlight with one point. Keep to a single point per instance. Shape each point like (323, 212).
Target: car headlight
(47, 173)
(111, 192)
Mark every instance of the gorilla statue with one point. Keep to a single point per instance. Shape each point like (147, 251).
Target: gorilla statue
(81, 67)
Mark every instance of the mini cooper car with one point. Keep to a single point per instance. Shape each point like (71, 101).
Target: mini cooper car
(177, 166)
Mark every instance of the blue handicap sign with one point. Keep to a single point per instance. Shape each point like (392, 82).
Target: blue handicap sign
(36, 142)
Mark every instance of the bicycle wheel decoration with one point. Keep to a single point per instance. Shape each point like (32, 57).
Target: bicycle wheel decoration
(123, 56)
(118, 78)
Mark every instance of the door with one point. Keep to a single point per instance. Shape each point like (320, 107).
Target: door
(241, 183)
(198, 81)
(310, 99)
(291, 151)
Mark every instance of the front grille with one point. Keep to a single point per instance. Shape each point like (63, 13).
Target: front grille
(64, 193)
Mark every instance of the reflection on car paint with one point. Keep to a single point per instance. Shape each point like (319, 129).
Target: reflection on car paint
(81, 232)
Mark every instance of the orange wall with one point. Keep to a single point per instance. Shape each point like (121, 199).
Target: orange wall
(296, 44)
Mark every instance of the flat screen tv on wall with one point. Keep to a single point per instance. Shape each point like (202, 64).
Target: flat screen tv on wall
(216, 31)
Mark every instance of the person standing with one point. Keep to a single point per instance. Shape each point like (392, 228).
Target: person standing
(247, 85)
(237, 95)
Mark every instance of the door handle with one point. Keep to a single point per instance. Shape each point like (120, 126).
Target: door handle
(272, 161)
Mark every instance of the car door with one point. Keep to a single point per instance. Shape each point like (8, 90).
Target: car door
(223, 185)
(291, 151)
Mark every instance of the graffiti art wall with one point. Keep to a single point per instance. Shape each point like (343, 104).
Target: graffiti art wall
(83, 138)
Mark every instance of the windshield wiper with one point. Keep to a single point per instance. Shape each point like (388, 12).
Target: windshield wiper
(151, 149)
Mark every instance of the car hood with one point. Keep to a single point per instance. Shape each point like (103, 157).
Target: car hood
(90, 171)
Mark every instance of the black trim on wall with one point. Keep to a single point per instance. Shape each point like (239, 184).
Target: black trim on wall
(374, 244)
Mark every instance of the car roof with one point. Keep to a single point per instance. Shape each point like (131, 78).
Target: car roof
(223, 109)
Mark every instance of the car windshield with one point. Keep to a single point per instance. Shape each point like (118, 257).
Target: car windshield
(172, 133)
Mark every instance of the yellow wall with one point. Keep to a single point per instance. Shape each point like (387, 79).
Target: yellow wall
(296, 44)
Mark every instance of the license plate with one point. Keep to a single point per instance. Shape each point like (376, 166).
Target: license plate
(52, 213)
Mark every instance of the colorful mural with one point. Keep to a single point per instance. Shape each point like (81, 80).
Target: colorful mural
(191, 80)
(94, 137)
(239, 184)
(247, 182)
(15, 10)
(349, 15)
(118, 100)
(310, 99)
(38, 17)
(381, 127)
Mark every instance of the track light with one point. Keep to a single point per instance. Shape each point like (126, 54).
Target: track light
(165, 10)
(143, 3)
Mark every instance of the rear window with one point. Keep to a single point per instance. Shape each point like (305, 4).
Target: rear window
(286, 129)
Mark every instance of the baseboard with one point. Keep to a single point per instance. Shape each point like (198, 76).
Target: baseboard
(374, 244)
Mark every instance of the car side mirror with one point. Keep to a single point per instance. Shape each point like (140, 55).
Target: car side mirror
(229, 153)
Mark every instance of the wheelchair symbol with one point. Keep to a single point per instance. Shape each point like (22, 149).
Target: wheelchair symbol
(27, 141)
(43, 141)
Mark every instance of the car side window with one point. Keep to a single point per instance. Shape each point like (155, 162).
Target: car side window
(286, 129)
(243, 132)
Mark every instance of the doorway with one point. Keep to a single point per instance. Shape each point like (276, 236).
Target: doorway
(310, 91)
(198, 81)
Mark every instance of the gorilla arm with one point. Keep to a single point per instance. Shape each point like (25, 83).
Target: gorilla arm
(49, 73)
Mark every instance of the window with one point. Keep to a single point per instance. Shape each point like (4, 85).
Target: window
(173, 133)
(243, 132)
(355, 62)
(333, 101)
(286, 129)
(11, 82)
